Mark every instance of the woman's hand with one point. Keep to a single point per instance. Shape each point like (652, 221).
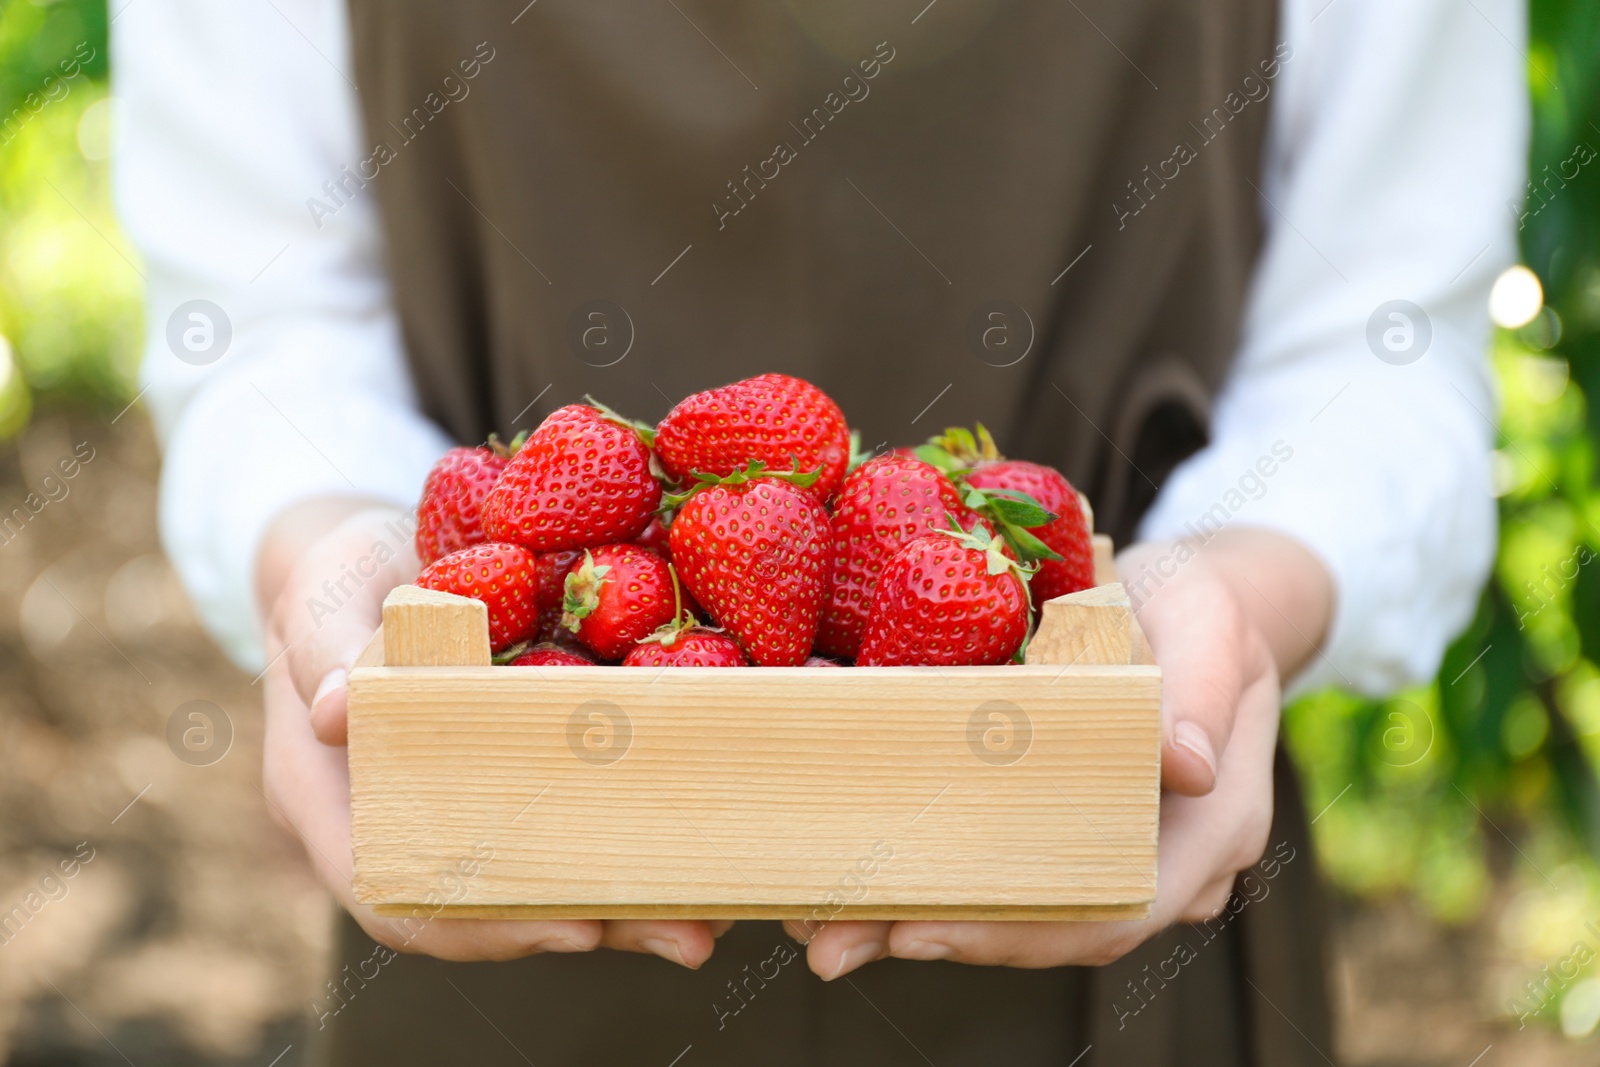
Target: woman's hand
(1224, 621)
(323, 571)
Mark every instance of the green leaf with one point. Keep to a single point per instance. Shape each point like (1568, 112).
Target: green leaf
(857, 457)
(1009, 505)
(646, 432)
(938, 457)
(1028, 548)
(504, 657)
(1020, 512)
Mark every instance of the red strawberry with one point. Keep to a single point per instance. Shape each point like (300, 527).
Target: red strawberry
(947, 600)
(552, 568)
(1068, 535)
(973, 459)
(581, 480)
(754, 551)
(884, 503)
(548, 655)
(502, 576)
(655, 538)
(781, 421)
(616, 596)
(450, 515)
(694, 646)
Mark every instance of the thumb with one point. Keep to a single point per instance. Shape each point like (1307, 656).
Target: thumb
(1209, 655)
(329, 610)
(320, 661)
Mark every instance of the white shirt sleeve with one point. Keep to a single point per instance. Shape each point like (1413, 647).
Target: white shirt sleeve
(233, 116)
(1397, 141)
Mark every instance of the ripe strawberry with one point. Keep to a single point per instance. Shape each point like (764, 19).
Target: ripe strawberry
(1068, 534)
(1005, 488)
(693, 646)
(450, 515)
(947, 600)
(581, 480)
(655, 538)
(754, 550)
(548, 655)
(551, 569)
(616, 596)
(502, 576)
(884, 503)
(783, 422)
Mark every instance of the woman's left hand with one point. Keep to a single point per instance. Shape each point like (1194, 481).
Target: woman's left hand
(1220, 643)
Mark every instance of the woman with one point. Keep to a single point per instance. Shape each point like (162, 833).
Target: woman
(1224, 262)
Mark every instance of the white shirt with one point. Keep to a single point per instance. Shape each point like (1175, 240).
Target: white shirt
(1398, 135)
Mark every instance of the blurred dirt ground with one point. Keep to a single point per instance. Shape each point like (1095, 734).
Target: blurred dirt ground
(195, 933)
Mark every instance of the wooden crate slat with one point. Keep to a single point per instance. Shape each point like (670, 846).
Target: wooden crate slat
(757, 789)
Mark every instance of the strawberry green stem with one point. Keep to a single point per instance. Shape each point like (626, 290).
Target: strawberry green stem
(646, 432)
(740, 476)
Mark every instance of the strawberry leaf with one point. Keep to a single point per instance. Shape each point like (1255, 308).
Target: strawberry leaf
(738, 476)
(1009, 505)
(965, 449)
(1028, 548)
(939, 457)
(581, 591)
(504, 657)
(646, 432)
(857, 457)
(505, 451)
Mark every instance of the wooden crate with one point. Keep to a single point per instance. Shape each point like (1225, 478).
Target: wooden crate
(1017, 792)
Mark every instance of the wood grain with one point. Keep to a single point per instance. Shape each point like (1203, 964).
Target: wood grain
(427, 628)
(1105, 566)
(1093, 626)
(1022, 791)
(372, 655)
(819, 911)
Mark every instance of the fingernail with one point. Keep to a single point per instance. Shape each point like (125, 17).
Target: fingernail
(560, 944)
(334, 679)
(925, 950)
(667, 950)
(855, 957)
(1195, 740)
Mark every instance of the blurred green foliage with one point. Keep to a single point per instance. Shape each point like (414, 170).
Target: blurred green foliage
(1487, 775)
(69, 284)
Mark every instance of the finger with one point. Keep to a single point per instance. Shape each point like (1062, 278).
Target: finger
(330, 708)
(688, 943)
(307, 785)
(1206, 841)
(841, 947)
(329, 609)
(1013, 944)
(322, 643)
(1205, 666)
(426, 932)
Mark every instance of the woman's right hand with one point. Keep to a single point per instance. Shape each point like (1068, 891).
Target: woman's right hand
(322, 573)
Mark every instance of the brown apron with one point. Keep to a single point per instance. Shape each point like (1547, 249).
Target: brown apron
(1036, 215)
